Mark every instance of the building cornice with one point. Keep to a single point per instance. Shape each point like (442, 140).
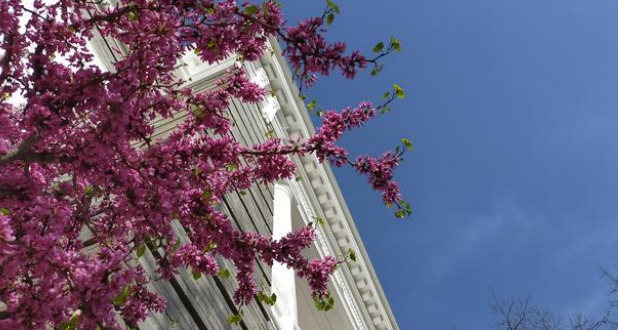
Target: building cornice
(319, 192)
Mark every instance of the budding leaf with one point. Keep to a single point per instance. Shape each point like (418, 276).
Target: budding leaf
(386, 95)
(196, 275)
(332, 6)
(407, 143)
(5, 211)
(398, 91)
(396, 44)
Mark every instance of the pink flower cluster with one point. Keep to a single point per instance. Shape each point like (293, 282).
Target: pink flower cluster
(86, 188)
(309, 52)
(317, 273)
(198, 260)
(334, 124)
(379, 173)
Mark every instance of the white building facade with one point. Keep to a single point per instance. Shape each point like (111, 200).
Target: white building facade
(205, 303)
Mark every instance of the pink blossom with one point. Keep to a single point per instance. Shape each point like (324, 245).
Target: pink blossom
(80, 165)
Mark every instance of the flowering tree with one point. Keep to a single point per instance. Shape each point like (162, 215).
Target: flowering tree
(78, 155)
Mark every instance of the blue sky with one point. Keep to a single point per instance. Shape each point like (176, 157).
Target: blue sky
(511, 106)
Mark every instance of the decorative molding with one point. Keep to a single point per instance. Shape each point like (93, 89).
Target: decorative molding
(318, 194)
(270, 105)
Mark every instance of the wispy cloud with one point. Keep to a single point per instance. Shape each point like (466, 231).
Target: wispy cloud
(470, 235)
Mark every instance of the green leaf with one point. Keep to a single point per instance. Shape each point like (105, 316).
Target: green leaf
(132, 16)
(319, 221)
(252, 9)
(311, 105)
(376, 69)
(324, 304)
(400, 214)
(89, 190)
(385, 109)
(234, 318)
(140, 250)
(65, 326)
(331, 303)
(211, 246)
(378, 47)
(405, 207)
(5, 211)
(407, 143)
(398, 91)
(72, 324)
(5, 96)
(212, 44)
(268, 300)
(207, 194)
(71, 28)
(122, 297)
(332, 6)
(242, 192)
(386, 95)
(352, 254)
(196, 275)
(224, 273)
(319, 304)
(395, 44)
(330, 18)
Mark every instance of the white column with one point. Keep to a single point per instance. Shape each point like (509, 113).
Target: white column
(283, 278)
